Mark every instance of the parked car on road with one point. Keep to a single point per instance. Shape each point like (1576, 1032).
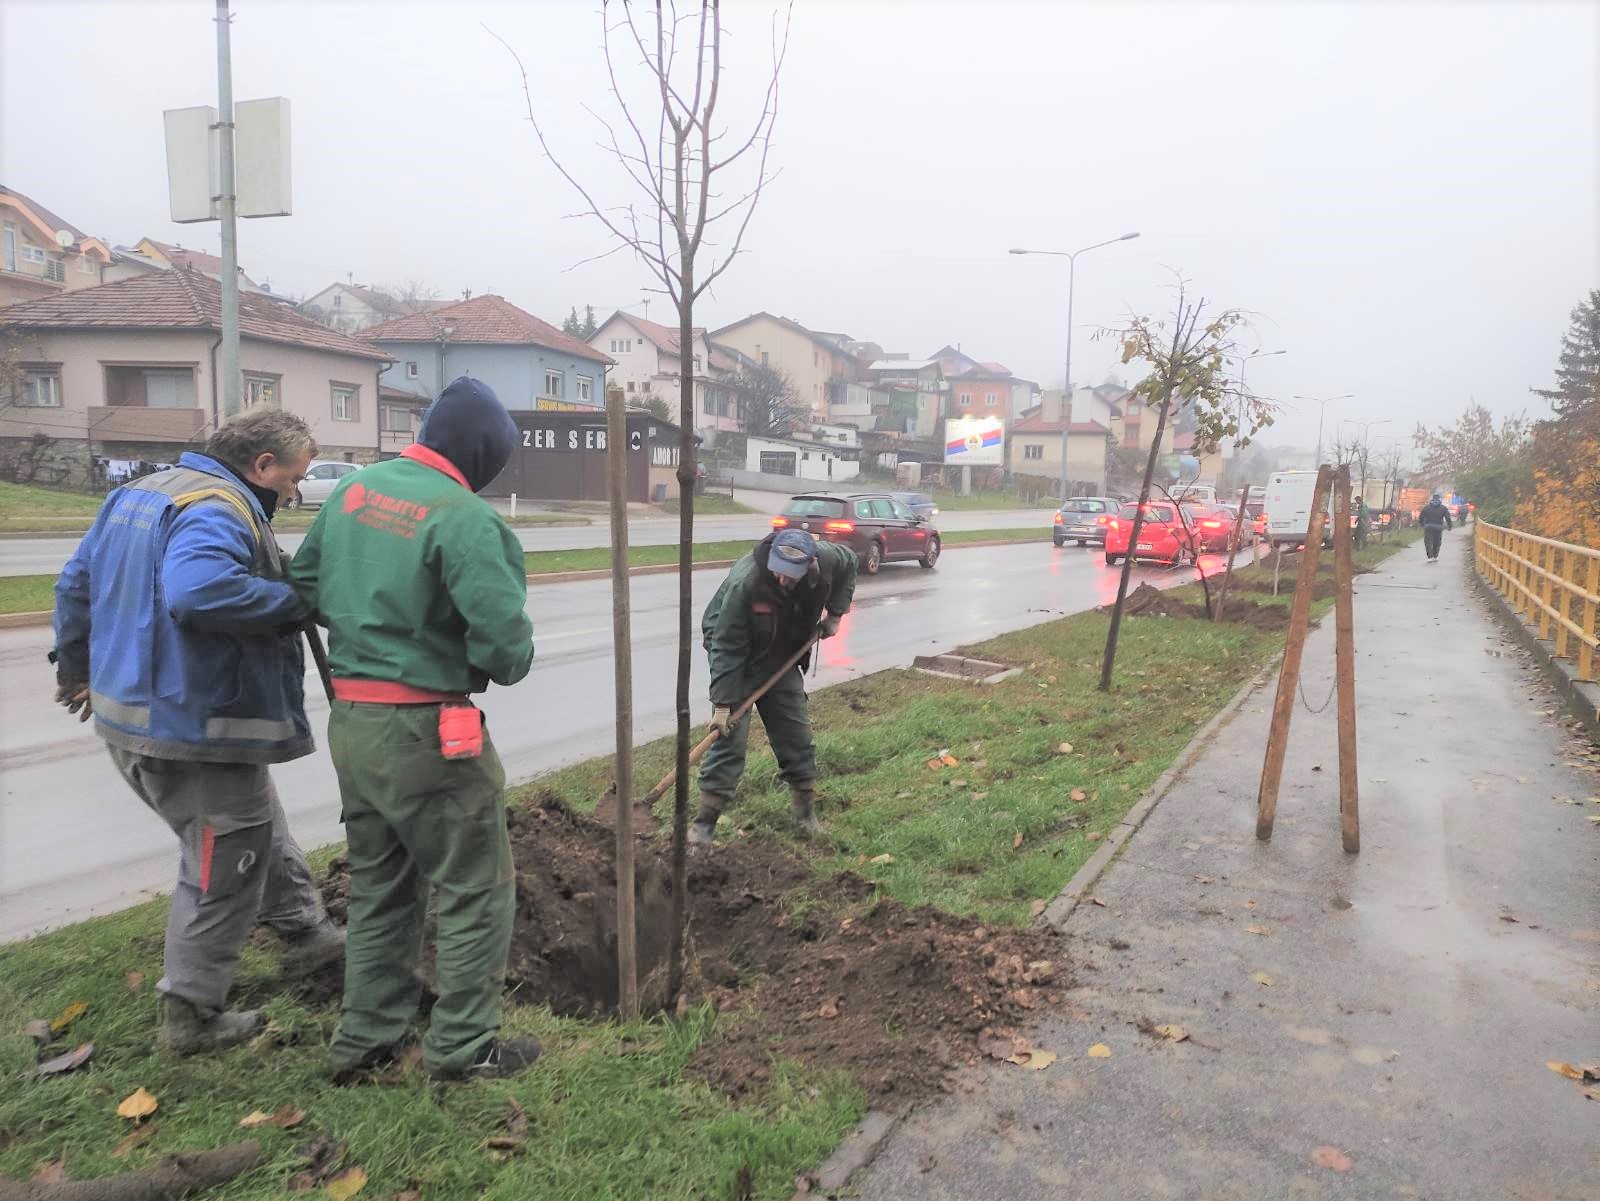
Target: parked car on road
(1164, 534)
(1083, 518)
(879, 528)
(919, 503)
(1213, 527)
(322, 477)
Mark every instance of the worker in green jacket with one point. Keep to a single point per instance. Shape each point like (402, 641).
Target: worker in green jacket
(422, 587)
(775, 598)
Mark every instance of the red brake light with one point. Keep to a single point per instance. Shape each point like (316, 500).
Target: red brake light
(841, 527)
(779, 523)
(1101, 520)
(1211, 524)
(1058, 518)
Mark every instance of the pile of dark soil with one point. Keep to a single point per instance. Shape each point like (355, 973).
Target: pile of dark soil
(1149, 601)
(806, 968)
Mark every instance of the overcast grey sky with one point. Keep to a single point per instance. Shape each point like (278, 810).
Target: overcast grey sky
(1406, 192)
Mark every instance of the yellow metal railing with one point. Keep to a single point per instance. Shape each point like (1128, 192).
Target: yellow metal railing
(1554, 585)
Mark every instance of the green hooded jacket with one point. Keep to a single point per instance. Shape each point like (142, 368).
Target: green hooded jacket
(752, 624)
(418, 580)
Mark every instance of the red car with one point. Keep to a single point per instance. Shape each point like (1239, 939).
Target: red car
(1213, 525)
(1164, 534)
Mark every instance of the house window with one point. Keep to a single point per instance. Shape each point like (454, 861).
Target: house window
(764, 359)
(552, 383)
(346, 402)
(1033, 452)
(41, 388)
(585, 387)
(991, 400)
(150, 387)
(396, 419)
(621, 345)
(697, 362)
(85, 264)
(55, 269)
(260, 390)
(411, 370)
(966, 399)
(11, 247)
(814, 359)
(338, 300)
(33, 254)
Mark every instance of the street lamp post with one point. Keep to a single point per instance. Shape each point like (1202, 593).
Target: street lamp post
(1072, 263)
(1321, 404)
(1365, 426)
(1243, 362)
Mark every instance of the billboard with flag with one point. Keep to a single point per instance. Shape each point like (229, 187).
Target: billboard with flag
(975, 442)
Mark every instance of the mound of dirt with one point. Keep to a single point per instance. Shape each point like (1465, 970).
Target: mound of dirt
(1149, 601)
(895, 997)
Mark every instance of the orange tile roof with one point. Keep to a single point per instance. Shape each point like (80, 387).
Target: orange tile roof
(179, 300)
(480, 319)
(664, 336)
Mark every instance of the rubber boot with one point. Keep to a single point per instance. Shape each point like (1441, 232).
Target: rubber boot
(312, 950)
(188, 1030)
(499, 1059)
(803, 808)
(705, 822)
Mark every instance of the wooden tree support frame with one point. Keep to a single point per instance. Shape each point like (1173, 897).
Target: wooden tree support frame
(1344, 661)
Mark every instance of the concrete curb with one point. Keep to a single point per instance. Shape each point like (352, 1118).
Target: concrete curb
(13, 621)
(858, 1149)
(1076, 889)
(1582, 699)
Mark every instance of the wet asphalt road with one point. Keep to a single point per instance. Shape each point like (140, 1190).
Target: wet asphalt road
(45, 556)
(74, 841)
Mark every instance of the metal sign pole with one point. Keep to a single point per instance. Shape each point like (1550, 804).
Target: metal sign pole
(232, 379)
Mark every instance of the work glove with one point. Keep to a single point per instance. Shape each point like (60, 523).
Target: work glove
(722, 720)
(829, 625)
(74, 697)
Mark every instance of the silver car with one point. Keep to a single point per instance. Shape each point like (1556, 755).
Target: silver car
(322, 478)
(1083, 518)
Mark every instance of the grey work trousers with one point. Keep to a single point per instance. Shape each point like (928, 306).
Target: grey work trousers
(238, 867)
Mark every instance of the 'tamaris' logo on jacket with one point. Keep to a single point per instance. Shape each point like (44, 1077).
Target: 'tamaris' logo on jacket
(388, 513)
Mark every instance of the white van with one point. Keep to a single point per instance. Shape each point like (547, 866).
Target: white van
(1288, 501)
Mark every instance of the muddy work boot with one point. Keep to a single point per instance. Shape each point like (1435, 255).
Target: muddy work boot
(312, 950)
(497, 1060)
(186, 1029)
(704, 827)
(803, 809)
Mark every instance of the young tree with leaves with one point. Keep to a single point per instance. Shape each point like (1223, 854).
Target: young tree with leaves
(695, 188)
(1188, 355)
(1474, 440)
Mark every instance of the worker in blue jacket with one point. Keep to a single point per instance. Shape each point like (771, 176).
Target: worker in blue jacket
(177, 632)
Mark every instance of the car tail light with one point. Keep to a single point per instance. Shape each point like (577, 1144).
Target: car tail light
(779, 523)
(841, 527)
(1058, 518)
(1101, 520)
(1212, 525)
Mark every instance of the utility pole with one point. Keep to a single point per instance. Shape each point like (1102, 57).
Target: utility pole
(232, 380)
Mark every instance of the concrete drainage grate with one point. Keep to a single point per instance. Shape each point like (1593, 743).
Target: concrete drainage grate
(959, 667)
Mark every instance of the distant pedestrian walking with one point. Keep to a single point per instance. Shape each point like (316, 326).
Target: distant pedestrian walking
(1435, 518)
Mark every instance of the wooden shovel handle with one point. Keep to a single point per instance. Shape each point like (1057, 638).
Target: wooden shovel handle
(700, 748)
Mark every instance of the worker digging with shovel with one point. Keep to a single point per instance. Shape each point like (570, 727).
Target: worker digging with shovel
(777, 600)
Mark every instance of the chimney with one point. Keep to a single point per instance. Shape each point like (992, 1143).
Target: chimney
(1050, 405)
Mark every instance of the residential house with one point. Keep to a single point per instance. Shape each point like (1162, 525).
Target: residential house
(1035, 450)
(129, 370)
(351, 307)
(166, 255)
(42, 254)
(982, 389)
(529, 363)
(914, 391)
(802, 459)
(647, 366)
(820, 366)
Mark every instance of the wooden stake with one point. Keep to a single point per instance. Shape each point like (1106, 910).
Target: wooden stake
(1344, 656)
(1289, 673)
(622, 662)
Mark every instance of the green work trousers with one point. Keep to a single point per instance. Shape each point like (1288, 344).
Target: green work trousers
(788, 721)
(415, 821)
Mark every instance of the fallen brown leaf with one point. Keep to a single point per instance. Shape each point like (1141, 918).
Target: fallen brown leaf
(1079, 795)
(1262, 930)
(140, 1103)
(828, 1010)
(1172, 1033)
(54, 1172)
(948, 759)
(135, 982)
(1094, 836)
(1097, 901)
(286, 1117)
(322, 1155)
(346, 1184)
(1249, 904)
(1016, 843)
(884, 858)
(1565, 1069)
(1331, 1157)
(1206, 879)
(134, 1137)
(1099, 1051)
(935, 765)
(1262, 979)
(1037, 908)
(72, 1060)
(1064, 749)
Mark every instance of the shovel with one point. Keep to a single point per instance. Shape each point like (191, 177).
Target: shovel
(700, 748)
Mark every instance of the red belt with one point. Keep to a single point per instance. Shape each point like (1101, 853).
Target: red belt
(388, 692)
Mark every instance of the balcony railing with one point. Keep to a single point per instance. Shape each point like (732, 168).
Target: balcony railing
(135, 423)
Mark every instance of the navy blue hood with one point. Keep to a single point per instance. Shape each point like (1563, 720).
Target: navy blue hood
(469, 426)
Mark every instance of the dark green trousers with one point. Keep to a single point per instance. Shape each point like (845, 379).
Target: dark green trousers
(416, 821)
(785, 714)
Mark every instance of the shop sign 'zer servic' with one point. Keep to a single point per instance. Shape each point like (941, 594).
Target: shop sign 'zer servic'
(975, 442)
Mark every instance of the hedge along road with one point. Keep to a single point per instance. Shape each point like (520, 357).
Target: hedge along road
(74, 841)
(28, 555)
